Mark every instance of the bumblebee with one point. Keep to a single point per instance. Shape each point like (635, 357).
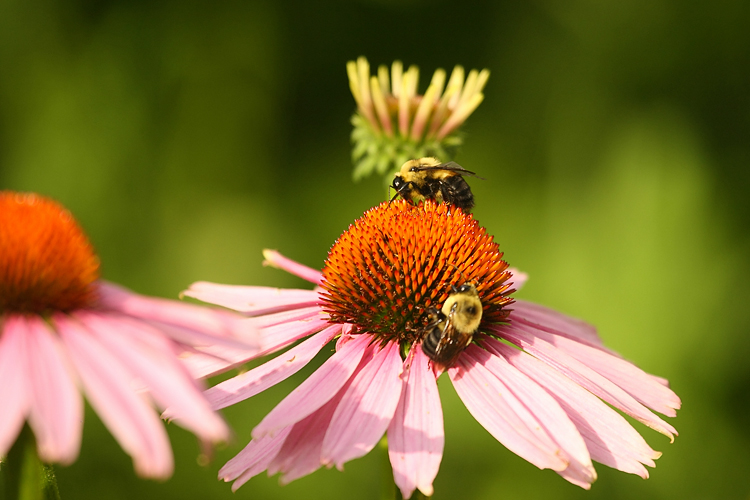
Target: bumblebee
(429, 178)
(450, 330)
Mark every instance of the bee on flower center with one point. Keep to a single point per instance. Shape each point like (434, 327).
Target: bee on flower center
(428, 178)
(450, 330)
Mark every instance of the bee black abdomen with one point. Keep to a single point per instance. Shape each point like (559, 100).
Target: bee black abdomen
(430, 342)
(429, 190)
(456, 190)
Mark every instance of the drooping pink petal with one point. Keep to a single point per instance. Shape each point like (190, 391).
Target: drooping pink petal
(346, 336)
(300, 453)
(366, 408)
(547, 319)
(14, 387)
(191, 339)
(208, 361)
(259, 379)
(56, 415)
(148, 355)
(317, 390)
(107, 383)
(645, 388)
(519, 278)
(253, 459)
(279, 336)
(275, 259)
(500, 412)
(191, 318)
(580, 341)
(254, 300)
(279, 318)
(415, 434)
(528, 339)
(610, 439)
(547, 412)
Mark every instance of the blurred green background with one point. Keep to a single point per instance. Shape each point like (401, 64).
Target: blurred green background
(615, 139)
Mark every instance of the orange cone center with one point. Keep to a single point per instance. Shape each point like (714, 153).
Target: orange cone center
(398, 260)
(46, 262)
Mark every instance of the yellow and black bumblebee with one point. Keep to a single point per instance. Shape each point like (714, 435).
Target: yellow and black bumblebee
(428, 178)
(450, 330)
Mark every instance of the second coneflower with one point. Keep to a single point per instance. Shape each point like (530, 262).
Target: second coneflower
(395, 123)
(64, 331)
(540, 382)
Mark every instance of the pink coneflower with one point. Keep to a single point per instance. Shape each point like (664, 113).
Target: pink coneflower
(538, 381)
(63, 331)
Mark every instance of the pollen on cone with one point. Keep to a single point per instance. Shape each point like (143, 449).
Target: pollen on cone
(399, 259)
(46, 263)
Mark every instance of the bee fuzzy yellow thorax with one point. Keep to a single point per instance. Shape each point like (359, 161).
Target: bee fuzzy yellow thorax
(464, 308)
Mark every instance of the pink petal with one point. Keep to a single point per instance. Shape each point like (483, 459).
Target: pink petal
(275, 259)
(548, 413)
(13, 374)
(286, 316)
(518, 279)
(645, 388)
(56, 415)
(415, 435)
(279, 336)
(300, 453)
(500, 412)
(610, 439)
(149, 356)
(129, 417)
(661, 380)
(317, 390)
(285, 329)
(209, 361)
(366, 408)
(253, 459)
(543, 318)
(259, 379)
(252, 300)
(528, 339)
(220, 325)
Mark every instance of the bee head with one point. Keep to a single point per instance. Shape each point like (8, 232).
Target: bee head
(398, 183)
(466, 288)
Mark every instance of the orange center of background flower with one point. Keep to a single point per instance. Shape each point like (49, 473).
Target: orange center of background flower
(46, 262)
(398, 260)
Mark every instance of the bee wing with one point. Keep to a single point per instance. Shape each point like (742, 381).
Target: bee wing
(451, 344)
(451, 166)
(447, 337)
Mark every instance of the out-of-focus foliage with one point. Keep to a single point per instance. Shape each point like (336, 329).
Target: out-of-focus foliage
(615, 137)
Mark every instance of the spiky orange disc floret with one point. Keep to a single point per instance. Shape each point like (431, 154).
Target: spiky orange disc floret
(399, 259)
(46, 262)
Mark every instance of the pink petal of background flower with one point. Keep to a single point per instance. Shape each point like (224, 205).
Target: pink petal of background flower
(123, 353)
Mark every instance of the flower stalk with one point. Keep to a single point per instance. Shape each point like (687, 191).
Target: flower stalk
(25, 477)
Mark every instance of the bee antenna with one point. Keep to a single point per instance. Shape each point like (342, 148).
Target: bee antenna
(463, 276)
(394, 196)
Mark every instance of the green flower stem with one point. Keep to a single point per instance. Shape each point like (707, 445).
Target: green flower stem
(25, 477)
